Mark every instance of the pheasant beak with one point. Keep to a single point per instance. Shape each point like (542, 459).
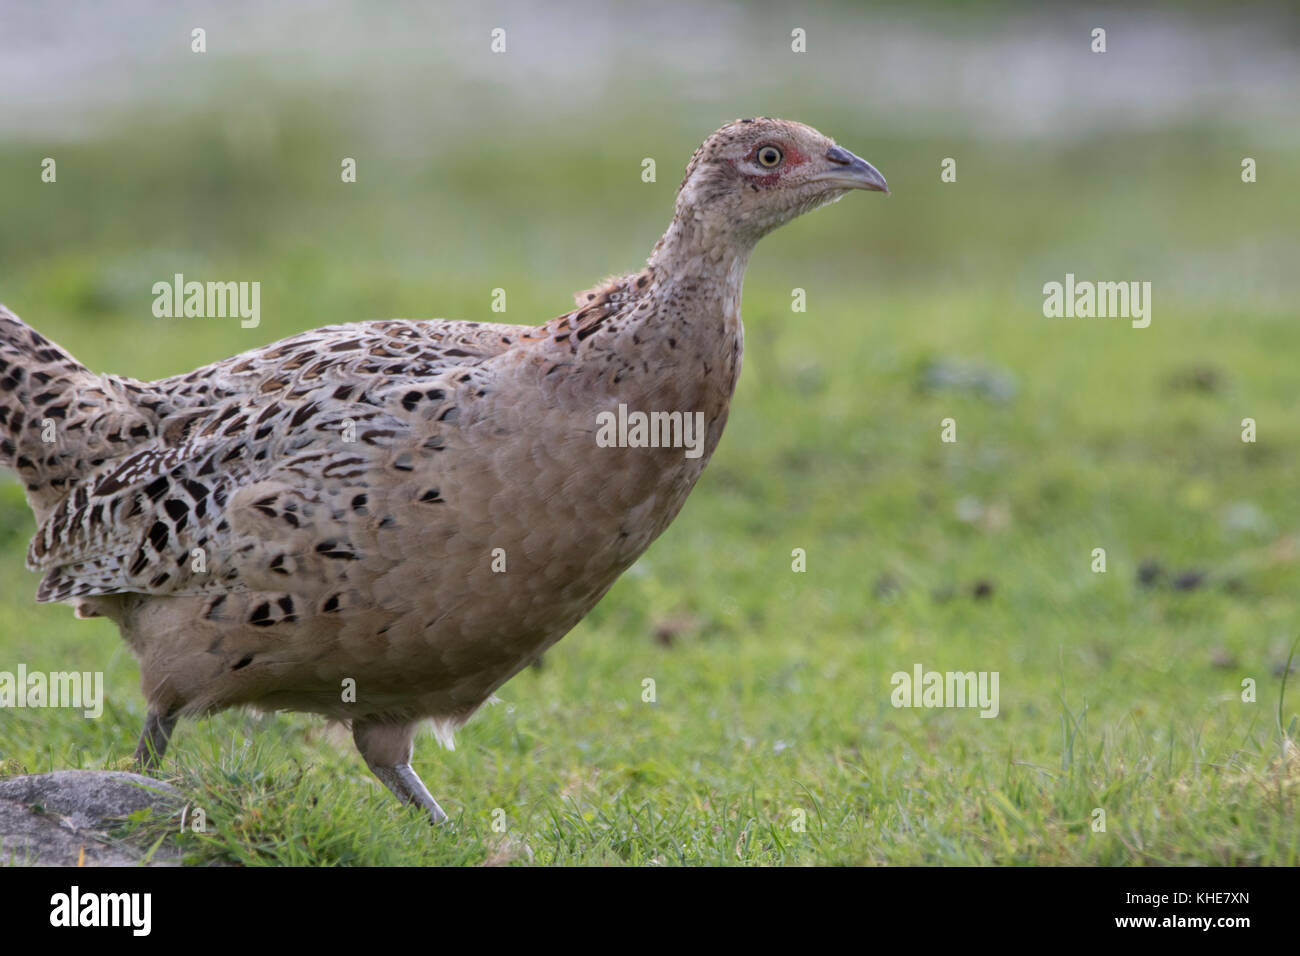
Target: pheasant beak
(851, 172)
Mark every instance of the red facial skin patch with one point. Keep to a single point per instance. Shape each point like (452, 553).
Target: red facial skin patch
(792, 158)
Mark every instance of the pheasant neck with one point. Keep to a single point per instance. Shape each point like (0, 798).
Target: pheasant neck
(688, 338)
(695, 246)
(693, 261)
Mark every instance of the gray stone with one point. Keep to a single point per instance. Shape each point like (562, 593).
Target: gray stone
(62, 818)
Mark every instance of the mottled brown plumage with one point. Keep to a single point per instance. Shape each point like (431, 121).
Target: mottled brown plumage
(338, 506)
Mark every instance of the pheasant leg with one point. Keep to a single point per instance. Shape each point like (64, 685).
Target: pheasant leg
(387, 749)
(153, 739)
(409, 788)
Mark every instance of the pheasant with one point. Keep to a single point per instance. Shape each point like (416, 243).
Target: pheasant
(383, 522)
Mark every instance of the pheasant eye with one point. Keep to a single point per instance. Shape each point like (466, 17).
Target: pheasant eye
(769, 156)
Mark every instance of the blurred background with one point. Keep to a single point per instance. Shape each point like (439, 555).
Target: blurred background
(522, 170)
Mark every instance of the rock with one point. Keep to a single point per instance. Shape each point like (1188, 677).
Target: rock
(61, 818)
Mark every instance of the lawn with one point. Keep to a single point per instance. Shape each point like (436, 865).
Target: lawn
(771, 737)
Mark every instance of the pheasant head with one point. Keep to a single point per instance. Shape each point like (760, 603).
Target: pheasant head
(752, 176)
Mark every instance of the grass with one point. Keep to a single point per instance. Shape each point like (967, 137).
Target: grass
(771, 738)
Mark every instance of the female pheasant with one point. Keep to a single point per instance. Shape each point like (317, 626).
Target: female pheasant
(383, 522)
